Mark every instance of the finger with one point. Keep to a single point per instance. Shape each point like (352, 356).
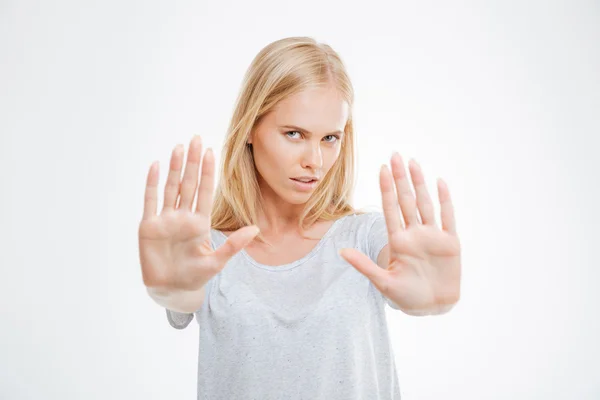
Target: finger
(379, 276)
(406, 199)
(424, 202)
(173, 179)
(205, 192)
(393, 220)
(189, 184)
(150, 195)
(235, 242)
(447, 209)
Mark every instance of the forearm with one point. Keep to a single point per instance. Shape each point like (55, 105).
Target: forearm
(438, 310)
(180, 301)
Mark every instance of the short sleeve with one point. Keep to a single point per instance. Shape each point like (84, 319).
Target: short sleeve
(377, 236)
(179, 320)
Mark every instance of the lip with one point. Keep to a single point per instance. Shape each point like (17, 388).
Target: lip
(304, 186)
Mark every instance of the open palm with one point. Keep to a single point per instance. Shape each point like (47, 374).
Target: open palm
(423, 267)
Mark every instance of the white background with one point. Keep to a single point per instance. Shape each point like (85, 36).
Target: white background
(501, 99)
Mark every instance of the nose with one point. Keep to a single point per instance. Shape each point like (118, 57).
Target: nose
(313, 157)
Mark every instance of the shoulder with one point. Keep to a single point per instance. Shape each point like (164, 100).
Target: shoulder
(361, 224)
(366, 220)
(365, 232)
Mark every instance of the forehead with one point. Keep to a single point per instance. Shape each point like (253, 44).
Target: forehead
(322, 108)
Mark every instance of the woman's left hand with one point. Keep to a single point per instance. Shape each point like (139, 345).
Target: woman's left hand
(424, 264)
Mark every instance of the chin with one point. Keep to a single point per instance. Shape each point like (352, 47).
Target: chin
(298, 199)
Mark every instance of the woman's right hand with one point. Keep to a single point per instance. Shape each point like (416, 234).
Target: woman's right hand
(175, 246)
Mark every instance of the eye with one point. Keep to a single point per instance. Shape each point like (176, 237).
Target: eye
(337, 137)
(292, 132)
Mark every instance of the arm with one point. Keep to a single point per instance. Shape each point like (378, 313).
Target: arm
(181, 301)
(180, 307)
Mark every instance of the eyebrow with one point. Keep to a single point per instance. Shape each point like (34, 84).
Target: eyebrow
(297, 128)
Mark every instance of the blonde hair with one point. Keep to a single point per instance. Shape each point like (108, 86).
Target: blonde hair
(282, 68)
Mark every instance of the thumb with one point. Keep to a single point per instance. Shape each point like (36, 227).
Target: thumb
(235, 242)
(360, 261)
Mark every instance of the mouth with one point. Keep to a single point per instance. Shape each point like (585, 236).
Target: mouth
(304, 185)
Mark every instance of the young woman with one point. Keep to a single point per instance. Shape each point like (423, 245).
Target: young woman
(283, 312)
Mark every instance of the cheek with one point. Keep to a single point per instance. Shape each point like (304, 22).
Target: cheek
(333, 159)
(275, 158)
(278, 146)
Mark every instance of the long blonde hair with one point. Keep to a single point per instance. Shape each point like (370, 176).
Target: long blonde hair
(282, 68)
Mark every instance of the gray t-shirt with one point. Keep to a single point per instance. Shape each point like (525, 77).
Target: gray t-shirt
(312, 329)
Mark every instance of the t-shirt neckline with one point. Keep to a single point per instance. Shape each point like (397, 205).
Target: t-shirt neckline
(293, 264)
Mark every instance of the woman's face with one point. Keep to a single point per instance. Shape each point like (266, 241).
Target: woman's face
(302, 136)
